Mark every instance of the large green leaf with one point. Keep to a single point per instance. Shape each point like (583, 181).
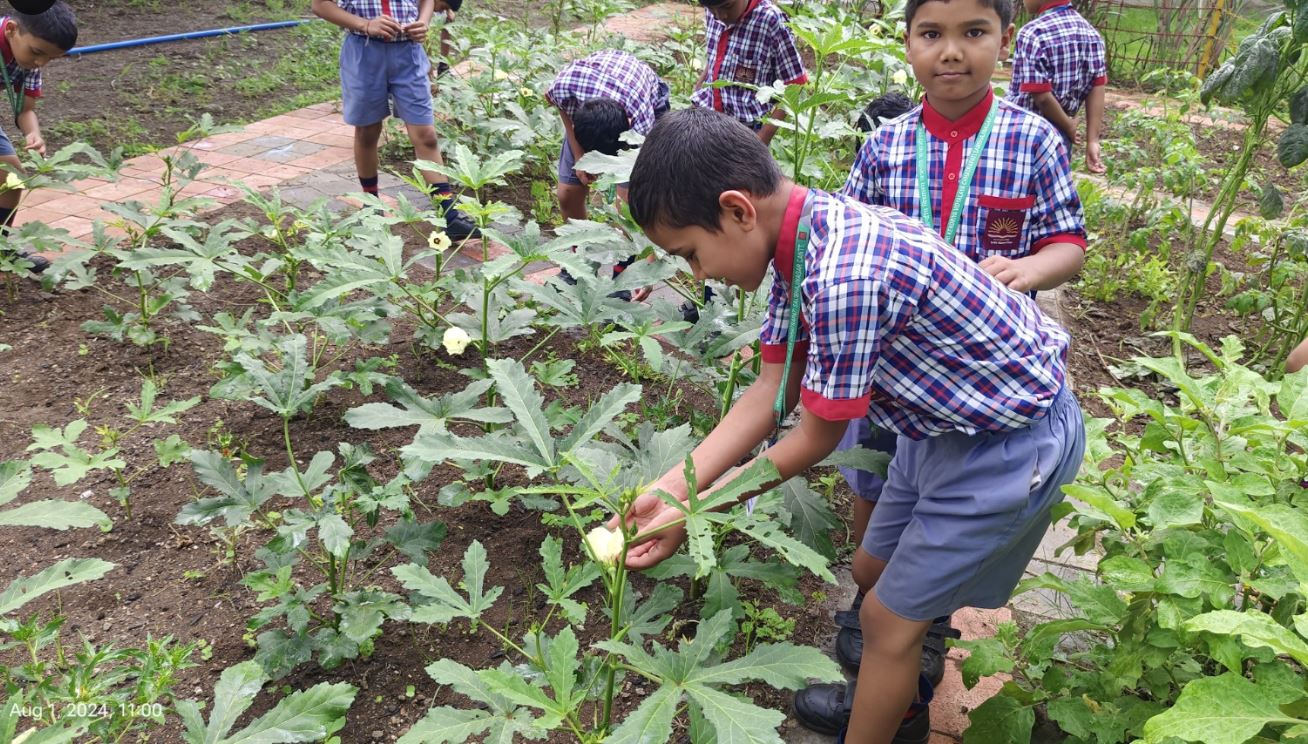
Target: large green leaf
(305, 715)
(1289, 526)
(811, 517)
(448, 726)
(439, 447)
(54, 514)
(445, 603)
(64, 573)
(15, 475)
(429, 414)
(518, 390)
(1255, 629)
(651, 723)
(795, 552)
(736, 720)
(780, 665)
(233, 694)
(1228, 709)
(1000, 720)
(600, 414)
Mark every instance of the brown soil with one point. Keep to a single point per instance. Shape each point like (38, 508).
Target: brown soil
(174, 580)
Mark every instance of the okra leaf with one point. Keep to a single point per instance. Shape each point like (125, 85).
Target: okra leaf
(64, 573)
(446, 603)
(55, 515)
(518, 390)
(651, 721)
(15, 475)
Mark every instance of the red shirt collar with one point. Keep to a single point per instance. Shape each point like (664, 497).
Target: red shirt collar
(964, 127)
(1052, 5)
(784, 255)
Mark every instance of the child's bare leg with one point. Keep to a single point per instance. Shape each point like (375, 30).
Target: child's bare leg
(365, 150)
(862, 515)
(425, 146)
(572, 200)
(892, 660)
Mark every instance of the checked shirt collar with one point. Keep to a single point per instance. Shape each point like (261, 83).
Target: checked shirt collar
(784, 255)
(1054, 4)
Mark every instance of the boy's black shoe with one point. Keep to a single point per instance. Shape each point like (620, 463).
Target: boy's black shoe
(826, 709)
(849, 645)
(39, 263)
(459, 226)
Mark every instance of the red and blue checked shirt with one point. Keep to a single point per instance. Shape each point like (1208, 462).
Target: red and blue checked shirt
(29, 81)
(758, 49)
(1058, 51)
(403, 11)
(611, 74)
(1022, 196)
(901, 328)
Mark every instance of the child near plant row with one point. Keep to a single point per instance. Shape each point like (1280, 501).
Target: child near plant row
(1058, 67)
(994, 181)
(28, 43)
(383, 72)
(599, 97)
(986, 438)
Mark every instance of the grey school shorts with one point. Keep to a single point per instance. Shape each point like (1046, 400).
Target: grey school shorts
(6, 147)
(961, 515)
(380, 79)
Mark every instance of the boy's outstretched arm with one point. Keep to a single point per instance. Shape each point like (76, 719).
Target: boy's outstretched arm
(383, 27)
(748, 423)
(1094, 122)
(30, 126)
(1298, 358)
(1050, 267)
(1053, 111)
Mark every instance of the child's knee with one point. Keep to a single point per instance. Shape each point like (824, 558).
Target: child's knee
(368, 136)
(423, 138)
(887, 635)
(866, 569)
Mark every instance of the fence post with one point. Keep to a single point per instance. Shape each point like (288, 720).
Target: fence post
(1208, 59)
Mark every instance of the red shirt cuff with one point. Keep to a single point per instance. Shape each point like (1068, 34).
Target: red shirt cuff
(1073, 238)
(32, 93)
(801, 80)
(1101, 80)
(834, 410)
(1036, 87)
(776, 353)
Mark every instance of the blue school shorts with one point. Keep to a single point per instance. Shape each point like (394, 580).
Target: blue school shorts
(6, 147)
(381, 79)
(961, 515)
(863, 433)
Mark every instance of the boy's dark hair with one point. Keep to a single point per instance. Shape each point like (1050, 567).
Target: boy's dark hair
(884, 108)
(689, 158)
(1003, 7)
(56, 25)
(599, 123)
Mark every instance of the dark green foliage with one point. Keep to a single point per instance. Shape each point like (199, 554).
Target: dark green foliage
(1293, 146)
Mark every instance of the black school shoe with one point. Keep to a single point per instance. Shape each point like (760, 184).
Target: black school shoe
(39, 263)
(459, 226)
(849, 644)
(826, 709)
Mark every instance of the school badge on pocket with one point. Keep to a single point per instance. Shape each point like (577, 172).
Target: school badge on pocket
(745, 74)
(1003, 230)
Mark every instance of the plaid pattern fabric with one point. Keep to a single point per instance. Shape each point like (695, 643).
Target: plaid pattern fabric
(910, 332)
(611, 74)
(1024, 176)
(1058, 51)
(29, 81)
(403, 11)
(758, 49)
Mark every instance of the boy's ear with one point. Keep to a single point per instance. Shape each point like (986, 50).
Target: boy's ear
(738, 209)
(1005, 42)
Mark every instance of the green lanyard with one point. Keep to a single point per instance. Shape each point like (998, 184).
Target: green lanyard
(792, 332)
(924, 208)
(15, 97)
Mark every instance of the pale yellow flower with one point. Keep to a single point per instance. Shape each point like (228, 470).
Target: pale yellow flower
(526, 92)
(899, 77)
(501, 75)
(455, 340)
(438, 241)
(605, 544)
(13, 182)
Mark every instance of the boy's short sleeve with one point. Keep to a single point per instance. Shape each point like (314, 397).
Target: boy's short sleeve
(1031, 69)
(32, 84)
(1056, 216)
(844, 346)
(559, 95)
(1100, 64)
(776, 325)
(862, 182)
(789, 66)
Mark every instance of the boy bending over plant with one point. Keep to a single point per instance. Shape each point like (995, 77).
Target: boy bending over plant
(872, 309)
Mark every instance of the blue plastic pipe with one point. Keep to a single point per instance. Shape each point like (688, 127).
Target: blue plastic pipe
(147, 41)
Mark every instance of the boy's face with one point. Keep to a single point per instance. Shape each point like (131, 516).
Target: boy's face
(30, 52)
(737, 253)
(953, 46)
(729, 11)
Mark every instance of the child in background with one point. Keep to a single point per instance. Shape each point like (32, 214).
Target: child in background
(883, 109)
(894, 325)
(599, 97)
(1058, 67)
(998, 187)
(383, 68)
(28, 43)
(747, 42)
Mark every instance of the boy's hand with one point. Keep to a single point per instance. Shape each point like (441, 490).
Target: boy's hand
(36, 142)
(1094, 161)
(417, 31)
(585, 178)
(382, 27)
(646, 513)
(1016, 274)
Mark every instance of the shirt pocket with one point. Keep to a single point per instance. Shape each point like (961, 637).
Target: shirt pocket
(740, 68)
(1001, 222)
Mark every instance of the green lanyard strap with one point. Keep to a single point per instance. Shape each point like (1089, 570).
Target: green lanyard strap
(15, 96)
(924, 206)
(792, 331)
